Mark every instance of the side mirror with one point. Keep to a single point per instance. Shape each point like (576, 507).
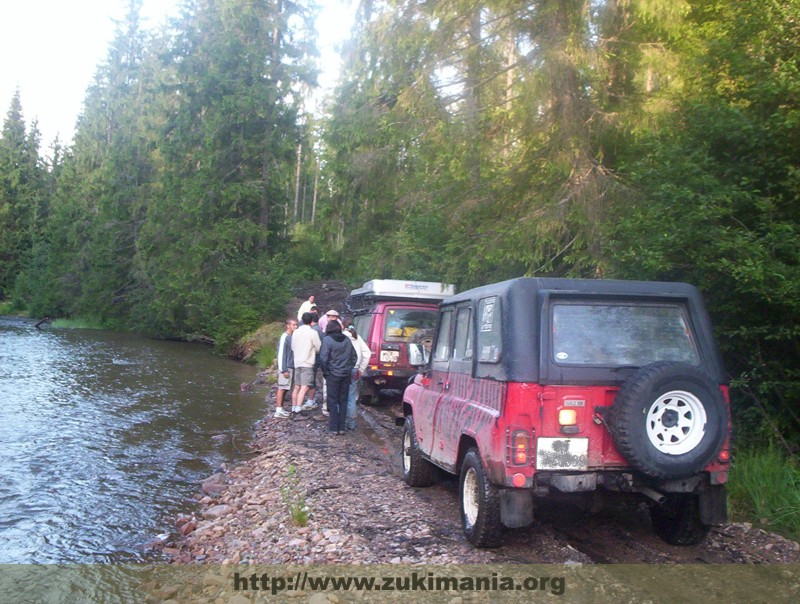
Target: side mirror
(417, 355)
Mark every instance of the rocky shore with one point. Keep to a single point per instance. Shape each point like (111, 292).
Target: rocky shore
(306, 497)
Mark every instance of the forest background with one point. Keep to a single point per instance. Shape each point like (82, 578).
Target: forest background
(467, 141)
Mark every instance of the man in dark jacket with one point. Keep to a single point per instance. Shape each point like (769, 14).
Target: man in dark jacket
(337, 358)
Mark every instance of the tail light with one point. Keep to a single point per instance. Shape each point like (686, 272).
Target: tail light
(519, 447)
(567, 417)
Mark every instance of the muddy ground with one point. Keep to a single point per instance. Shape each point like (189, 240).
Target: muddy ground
(360, 511)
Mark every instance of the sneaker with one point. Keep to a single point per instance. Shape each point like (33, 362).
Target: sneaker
(309, 405)
(325, 412)
(281, 412)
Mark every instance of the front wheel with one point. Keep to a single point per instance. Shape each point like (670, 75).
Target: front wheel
(417, 471)
(677, 520)
(480, 503)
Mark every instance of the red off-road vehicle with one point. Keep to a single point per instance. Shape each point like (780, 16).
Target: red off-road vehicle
(389, 314)
(539, 388)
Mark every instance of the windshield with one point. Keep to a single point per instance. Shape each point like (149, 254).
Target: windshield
(614, 334)
(401, 323)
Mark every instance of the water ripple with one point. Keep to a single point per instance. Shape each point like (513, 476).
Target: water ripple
(102, 437)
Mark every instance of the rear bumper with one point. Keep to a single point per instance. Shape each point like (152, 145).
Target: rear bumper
(389, 378)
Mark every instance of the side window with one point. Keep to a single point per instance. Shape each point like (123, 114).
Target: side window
(463, 344)
(442, 352)
(489, 335)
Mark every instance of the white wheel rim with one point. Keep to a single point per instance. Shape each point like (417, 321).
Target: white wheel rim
(407, 452)
(676, 422)
(469, 497)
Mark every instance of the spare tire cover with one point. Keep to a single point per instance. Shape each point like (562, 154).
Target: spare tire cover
(669, 420)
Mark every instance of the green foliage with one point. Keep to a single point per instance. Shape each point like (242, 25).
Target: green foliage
(648, 139)
(294, 499)
(79, 323)
(764, 489)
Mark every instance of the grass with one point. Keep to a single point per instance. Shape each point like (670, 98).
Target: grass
(294, 498)
(764, 489)
(78, 323)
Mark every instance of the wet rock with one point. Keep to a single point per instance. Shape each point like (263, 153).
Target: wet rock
(188, 528)
(218, 511)
(214, 484)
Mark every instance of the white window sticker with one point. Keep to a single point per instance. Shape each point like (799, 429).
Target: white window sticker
(487, 319)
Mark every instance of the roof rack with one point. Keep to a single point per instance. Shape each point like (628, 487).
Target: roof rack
(395, 289)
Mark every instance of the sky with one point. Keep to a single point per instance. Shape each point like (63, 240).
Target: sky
(51, 49)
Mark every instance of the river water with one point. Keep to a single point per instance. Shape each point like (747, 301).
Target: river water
(104, 436)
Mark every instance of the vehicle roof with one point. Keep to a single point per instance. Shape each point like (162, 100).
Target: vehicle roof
(522, 323)
(602, 287)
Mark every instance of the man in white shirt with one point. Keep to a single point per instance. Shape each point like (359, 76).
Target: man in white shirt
(306, 345)
(305, 307)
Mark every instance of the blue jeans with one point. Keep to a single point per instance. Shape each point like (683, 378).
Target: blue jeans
(352, 398)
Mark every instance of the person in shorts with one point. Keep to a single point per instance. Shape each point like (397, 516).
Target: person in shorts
(285, 360)
(306, 344)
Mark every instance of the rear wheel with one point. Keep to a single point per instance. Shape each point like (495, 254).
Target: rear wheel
(480, 503)
(677, 520)
(417, 471)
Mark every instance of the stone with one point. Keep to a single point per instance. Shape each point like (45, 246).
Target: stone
(218, 511)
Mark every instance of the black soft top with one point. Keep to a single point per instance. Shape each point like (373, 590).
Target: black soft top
(523, 303)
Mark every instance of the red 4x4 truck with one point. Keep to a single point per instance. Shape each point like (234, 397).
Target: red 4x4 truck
(391, 314)
(542, 388)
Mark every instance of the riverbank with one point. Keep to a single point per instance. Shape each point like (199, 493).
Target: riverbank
(358, 511)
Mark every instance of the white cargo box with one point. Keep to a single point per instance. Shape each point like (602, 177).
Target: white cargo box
(390, 289)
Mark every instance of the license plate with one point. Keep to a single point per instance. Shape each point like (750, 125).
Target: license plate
(562, 453)
(390, 356)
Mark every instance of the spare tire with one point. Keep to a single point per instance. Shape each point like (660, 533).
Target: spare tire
(424, 337)
(669, 420)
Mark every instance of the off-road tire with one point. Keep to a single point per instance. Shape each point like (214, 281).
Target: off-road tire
(669, 420)
(480, 503)
(677, 520)
(417, 471)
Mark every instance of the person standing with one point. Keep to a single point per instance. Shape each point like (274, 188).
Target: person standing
(305, 307)
(305, 346)
(311, 403)
(338, 358)
(362, 353)
(331, 315)
(285, 359)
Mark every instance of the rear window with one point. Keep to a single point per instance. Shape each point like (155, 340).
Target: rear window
(617, 334)
(401, 323)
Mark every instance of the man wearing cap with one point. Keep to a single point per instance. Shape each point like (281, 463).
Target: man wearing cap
(323, 321)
